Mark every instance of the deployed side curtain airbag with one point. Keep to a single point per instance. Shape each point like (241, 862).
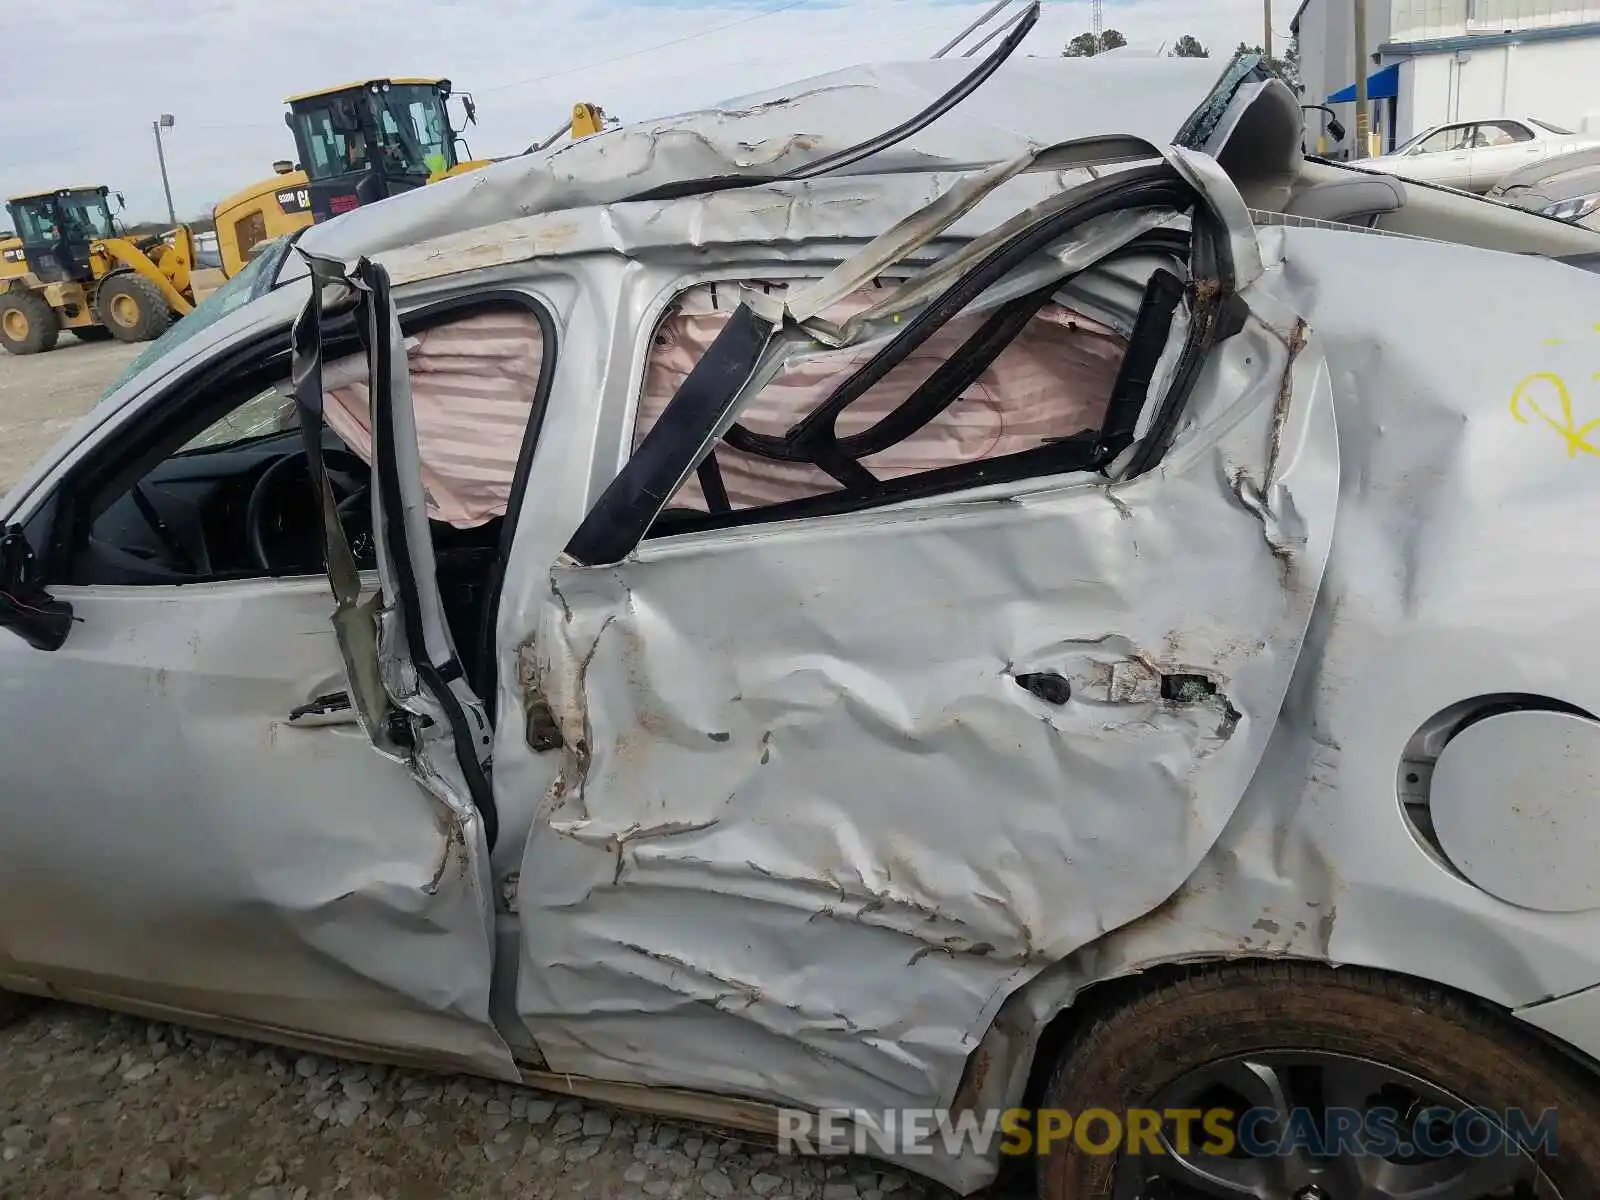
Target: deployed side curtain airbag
(1053, 381)
(473, 384)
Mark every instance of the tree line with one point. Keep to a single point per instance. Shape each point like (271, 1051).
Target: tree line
(1086, 45)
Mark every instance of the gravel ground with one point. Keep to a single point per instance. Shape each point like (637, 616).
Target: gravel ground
(102, 1104)
(95, 1104)
(43, 395)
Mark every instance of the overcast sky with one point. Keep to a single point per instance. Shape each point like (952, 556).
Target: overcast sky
(85, 78)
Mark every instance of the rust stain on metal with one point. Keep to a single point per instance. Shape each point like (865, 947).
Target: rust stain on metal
(1280, 410)
(973, 1079)
(454, 840)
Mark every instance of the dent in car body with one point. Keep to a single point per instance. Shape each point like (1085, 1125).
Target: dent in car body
(249, 869)
(1442, 595)
(775, 737)
(808, 839)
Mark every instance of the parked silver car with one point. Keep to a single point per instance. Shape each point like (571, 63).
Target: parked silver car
(1476, 155)
(1567, 188)
(1039, 611)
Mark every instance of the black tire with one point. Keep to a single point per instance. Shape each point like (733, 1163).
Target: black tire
(28, 324)
(91, 333)
(1127, 1057)
(132, 308)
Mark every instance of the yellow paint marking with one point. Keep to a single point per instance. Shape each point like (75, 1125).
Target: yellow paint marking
(1523, 402)
(1555, 341)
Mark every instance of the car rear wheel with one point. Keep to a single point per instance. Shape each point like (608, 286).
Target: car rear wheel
(132, 308)
(1303, 1082)
(28, 324)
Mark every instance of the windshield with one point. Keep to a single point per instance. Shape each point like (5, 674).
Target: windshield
(87, 215)
(413, 129)
(37, 220)
(1549, 128)
(1415, 140)
(256, 280)
(326, 151)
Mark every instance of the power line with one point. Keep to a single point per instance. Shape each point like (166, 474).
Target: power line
(678, 41)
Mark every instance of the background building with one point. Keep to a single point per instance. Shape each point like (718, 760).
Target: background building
(1434, 61)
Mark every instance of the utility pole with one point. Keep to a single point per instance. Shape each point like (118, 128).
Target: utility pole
(1266, 16)
(165, 121)
(1363, 123)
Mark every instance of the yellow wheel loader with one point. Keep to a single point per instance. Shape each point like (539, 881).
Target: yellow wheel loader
(69, 267)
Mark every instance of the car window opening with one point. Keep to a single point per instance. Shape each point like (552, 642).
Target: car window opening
(977, 389)
(225, 494)
(712, 398)
(1035, 387)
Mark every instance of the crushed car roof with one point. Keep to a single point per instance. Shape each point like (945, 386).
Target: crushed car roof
(1027, 104)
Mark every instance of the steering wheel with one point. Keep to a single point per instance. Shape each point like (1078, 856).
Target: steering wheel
(348, 477)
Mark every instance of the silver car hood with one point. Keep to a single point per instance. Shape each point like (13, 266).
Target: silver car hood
(1536, 174)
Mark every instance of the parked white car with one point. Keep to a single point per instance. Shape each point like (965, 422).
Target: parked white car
(1031, 609)
(1476, 155)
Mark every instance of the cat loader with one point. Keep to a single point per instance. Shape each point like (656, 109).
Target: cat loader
(69, 266)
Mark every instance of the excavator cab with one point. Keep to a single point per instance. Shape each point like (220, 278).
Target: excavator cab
(363, 142)
(57, 230)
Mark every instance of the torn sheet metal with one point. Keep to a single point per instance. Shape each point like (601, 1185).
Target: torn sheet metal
(1028, 103)
(778, 218)
(817, 814)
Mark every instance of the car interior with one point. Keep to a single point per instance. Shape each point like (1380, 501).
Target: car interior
(215, 484)
(1052, 381)
(1052, 376)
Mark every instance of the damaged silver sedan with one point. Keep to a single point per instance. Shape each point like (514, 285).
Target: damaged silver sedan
(1079, 610)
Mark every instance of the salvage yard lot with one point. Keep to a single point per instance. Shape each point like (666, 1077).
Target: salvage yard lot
(98, 1104)
(43, 395)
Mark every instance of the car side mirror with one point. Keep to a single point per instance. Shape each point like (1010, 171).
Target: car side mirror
(26, 609)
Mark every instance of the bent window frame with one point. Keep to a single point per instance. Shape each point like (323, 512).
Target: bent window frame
(704, 409)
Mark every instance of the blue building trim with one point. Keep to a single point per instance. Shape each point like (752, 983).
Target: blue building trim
(1381, 85)
(1481, 41)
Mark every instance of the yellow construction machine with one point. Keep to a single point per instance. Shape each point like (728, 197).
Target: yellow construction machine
(586, 119)
(356, 144)
(69, 266)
